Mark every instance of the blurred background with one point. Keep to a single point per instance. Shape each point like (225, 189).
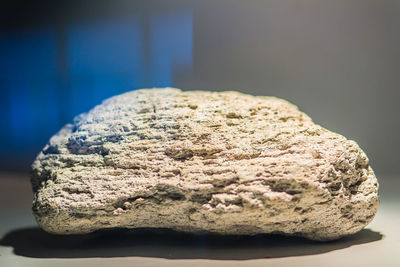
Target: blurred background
(339, 61)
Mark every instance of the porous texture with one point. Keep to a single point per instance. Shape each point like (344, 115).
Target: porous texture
(222, 162)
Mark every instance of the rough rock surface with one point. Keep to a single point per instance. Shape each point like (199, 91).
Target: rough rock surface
(222, 162)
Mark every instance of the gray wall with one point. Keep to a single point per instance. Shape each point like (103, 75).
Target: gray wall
(339, 61)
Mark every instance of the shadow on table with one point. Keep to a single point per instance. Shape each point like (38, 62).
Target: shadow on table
(163, 243)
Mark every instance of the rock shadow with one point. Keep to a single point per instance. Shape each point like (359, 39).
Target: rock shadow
(163, 243)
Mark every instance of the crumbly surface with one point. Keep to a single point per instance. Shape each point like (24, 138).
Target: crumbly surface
(223, 162)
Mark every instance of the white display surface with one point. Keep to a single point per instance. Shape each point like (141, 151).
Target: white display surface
(22, 243)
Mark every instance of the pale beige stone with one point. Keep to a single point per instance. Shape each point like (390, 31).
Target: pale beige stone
(223, 162)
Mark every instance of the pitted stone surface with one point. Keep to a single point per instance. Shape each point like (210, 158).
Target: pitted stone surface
(223, 162)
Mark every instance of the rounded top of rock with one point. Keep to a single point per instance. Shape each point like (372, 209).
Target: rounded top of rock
(222, 152)
(170, 114)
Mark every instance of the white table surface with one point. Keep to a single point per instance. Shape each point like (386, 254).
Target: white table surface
(22, 243)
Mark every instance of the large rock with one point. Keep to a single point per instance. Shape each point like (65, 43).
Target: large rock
(222, 162)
